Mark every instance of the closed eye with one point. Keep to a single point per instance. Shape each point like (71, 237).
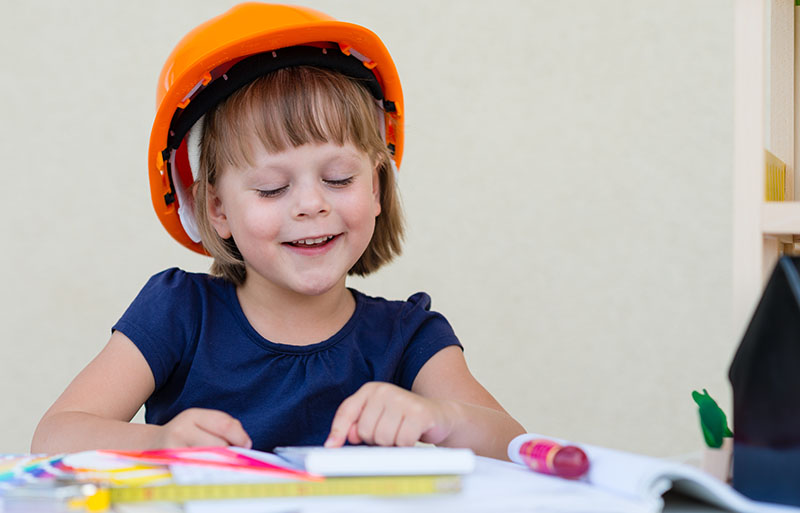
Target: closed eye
(272, 193)
(340, 183)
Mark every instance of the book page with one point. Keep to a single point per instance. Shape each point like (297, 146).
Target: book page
(648, 478)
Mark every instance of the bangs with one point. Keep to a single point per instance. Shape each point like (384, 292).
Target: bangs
(291, 107)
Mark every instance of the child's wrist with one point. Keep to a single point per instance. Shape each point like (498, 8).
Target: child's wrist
(453, 415)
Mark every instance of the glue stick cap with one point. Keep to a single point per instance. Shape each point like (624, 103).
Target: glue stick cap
(516, 444)
(549, 456)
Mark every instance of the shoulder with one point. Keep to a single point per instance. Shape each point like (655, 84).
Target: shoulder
(175, 281)
(175, 293)
(409, 316)
(177, 278)
(418, 302)
(416, 332)
(164, 319)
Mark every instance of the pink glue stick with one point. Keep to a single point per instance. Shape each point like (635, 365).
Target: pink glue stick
(548, 457)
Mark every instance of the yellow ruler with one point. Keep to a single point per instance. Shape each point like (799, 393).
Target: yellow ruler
(103, 498)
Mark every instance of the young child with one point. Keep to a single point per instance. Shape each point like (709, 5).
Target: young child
(286, 125)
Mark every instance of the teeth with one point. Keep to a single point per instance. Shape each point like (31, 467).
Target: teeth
(309, 242)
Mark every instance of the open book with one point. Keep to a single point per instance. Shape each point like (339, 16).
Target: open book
(647, 479)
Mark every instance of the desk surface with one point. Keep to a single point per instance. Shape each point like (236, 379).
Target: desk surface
(495, 486)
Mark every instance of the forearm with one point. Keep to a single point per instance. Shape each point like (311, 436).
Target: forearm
(487, 431)
(72, 431)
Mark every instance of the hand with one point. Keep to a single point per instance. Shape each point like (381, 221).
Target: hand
(198, 427)
(385, 414)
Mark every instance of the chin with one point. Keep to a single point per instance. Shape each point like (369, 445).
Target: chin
(315, 287)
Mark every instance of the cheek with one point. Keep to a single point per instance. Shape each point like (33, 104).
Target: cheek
(258, 223)
(361, 214)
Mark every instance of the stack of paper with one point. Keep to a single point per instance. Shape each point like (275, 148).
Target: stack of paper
(364, 460)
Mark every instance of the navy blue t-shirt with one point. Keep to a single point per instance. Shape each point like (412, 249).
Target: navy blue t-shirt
(204, 353)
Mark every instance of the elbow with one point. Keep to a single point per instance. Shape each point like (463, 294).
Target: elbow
(38, 444)
(42, 441)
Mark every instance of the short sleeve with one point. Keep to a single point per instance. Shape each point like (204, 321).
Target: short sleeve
(160, 321)
(426, 333)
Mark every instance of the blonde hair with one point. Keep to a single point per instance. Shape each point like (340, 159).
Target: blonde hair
(288, 108)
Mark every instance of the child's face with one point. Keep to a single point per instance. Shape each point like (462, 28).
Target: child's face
(301, 218)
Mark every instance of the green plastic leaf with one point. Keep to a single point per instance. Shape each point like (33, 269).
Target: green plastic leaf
(712, 419)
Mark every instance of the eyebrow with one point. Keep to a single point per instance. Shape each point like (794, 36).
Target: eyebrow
(347, 157)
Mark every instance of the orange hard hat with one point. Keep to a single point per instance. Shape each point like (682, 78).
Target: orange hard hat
(234, 48)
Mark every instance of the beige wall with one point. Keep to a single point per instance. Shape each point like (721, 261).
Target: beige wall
(567, 180)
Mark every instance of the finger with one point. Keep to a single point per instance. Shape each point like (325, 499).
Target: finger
(183, 431)
(201, 438)
(409, 432)
(367, 422)
(385, 432)
(346, 416)
(224, 427)
(352, 435)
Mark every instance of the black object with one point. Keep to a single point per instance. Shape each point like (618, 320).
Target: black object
(765, 375)
(254, 66)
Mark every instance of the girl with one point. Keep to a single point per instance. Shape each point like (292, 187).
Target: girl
(287, 127)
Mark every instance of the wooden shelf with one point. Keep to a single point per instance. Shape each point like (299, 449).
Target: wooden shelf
(780, 218)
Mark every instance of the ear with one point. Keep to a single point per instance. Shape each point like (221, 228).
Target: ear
(215, 210)
(376, 189)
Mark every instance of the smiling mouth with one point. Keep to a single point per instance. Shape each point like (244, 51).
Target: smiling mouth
(311, 243)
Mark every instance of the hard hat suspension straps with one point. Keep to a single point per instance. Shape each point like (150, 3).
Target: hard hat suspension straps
(250, 68)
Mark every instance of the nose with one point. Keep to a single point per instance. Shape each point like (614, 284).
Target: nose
(310, 201)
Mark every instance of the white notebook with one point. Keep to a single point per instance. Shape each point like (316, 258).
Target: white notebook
(362, 460)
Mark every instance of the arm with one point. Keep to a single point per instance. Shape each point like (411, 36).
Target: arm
(446, 406)
(96, 408)
(479, 421)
